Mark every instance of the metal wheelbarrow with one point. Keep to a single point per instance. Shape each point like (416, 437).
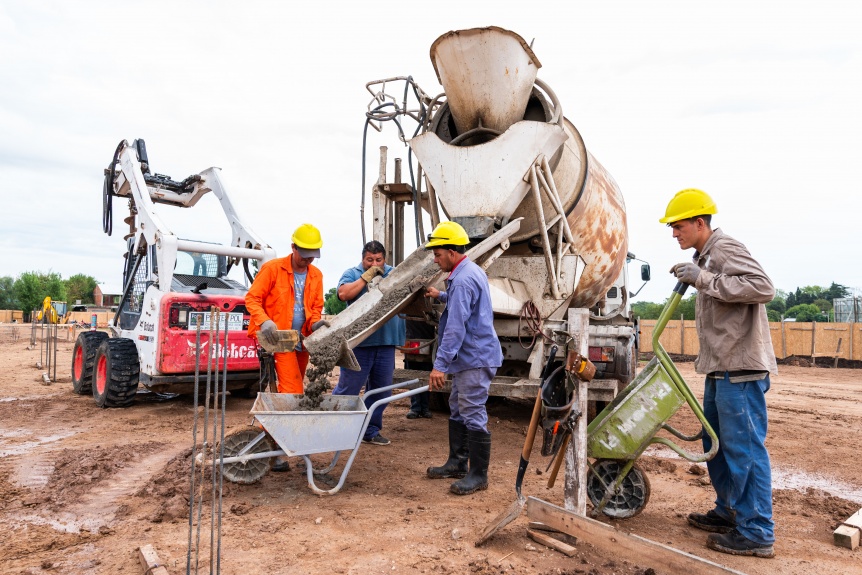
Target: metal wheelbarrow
(618, 435)
(339, 425)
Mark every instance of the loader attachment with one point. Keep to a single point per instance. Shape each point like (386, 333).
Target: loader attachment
(385, 298)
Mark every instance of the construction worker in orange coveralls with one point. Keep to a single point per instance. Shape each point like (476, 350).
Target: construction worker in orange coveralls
(287, 293)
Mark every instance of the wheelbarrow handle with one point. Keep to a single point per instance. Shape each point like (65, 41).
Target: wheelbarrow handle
(392, 398)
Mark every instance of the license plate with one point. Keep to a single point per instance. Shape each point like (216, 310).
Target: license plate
(234, 320)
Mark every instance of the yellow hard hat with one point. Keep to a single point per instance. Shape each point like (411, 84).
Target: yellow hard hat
(688, 204)
(307, 240)
(447, 234)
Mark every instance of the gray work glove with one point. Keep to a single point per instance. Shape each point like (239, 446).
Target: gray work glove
(268, 332)
(371, 273)
(319, 324)
(687, 273)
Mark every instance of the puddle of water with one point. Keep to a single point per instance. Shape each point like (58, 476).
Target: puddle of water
(786, 478)
(65, 523)
(26, 446)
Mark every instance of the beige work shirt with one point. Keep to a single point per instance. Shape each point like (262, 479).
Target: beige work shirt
(730, 314)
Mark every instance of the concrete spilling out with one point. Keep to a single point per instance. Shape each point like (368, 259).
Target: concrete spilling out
(326, 352)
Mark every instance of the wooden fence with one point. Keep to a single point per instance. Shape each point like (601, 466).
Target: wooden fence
(839, 340)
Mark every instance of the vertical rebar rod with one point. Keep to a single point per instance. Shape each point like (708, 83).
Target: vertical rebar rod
(194, 442)
(221, 442)
(216, 352)
(209, 354)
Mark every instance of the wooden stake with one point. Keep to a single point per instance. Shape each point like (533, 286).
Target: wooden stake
(554, 544)
(150, 561)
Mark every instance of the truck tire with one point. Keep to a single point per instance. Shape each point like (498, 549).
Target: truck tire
(115, 378)
(83, 360)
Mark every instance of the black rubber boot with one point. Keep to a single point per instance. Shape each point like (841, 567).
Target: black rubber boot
(456, 465)
(480, 456)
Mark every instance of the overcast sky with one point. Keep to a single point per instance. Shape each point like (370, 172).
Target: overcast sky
(758, 103)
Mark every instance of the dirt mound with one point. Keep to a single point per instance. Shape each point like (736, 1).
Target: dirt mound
(167, 493)
(76, 471)
(815, 503)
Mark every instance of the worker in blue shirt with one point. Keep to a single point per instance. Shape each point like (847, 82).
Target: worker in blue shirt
(376, 355)
(468, 349)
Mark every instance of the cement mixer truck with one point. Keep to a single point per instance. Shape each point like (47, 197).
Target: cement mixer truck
(547, 222)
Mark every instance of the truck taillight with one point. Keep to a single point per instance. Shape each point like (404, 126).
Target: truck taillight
(601, 354)
(178, 316)
(411, 347)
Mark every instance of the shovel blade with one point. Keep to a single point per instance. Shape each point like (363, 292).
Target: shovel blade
(504, 518)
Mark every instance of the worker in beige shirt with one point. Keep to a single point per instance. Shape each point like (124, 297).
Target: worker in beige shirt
(736, 356)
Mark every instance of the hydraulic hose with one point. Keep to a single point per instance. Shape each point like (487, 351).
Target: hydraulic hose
(108, 192)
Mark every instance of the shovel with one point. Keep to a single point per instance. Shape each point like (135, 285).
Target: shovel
(514, 510)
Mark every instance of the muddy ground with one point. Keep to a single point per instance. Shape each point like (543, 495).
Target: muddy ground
(82, 488)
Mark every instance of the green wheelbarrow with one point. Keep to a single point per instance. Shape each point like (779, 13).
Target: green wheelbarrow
(618, 435)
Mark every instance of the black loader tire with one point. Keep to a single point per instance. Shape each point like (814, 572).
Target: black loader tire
(116, 372)
(83, 360)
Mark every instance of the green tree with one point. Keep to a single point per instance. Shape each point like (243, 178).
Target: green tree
(806, 312)
(80, 287)
(686, 307)
(331, 304)
(823, 305)
(835, 291)
(773, 315)
(31, 288)
(7, 293)
(646, 310)
(777, 305)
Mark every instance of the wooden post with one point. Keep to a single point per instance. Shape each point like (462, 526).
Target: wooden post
(575, 489)
(681, 334)
(813, 343)
(837, 352)
(783, 340)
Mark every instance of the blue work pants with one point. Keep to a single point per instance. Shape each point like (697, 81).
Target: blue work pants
(740, 471)
(377, 366)
(469, 395)
(421, 402)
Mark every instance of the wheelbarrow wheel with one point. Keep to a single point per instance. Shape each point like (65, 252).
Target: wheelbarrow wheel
(250, 471)
(632, 495)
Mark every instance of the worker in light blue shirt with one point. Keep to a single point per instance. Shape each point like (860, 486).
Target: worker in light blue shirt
(376, 355)
(468, 349)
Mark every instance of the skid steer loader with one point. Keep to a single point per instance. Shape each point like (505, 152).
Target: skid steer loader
(169, 285)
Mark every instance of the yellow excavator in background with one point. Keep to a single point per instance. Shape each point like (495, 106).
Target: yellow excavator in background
(53, 311)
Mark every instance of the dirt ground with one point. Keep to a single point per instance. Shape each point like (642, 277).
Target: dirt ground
(82, 488)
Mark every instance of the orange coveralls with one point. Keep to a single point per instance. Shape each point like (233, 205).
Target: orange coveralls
(272, 296)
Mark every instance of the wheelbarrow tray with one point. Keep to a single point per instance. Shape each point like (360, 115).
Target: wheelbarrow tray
(624, 429)
(335, 427)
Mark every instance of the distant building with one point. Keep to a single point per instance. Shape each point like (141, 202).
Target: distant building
(107, 295)
(848, 309)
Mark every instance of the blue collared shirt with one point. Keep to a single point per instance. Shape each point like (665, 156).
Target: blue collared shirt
(466, 336)
(394, 331)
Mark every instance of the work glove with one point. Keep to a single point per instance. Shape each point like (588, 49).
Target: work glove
(371, 273)
(320, 323)
(687, 273)
(269, 332)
